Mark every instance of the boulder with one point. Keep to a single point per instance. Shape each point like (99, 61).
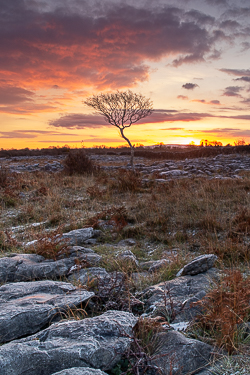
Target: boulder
(158, 264)
(78, 236)
(27, 267)
(173, 298)
(26, 307)
(80, 371)
(177, 354)
(198, 265)
(97, 343)
(87, 274)
(128, 258)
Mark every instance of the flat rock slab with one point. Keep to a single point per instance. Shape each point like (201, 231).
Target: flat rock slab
(198, 265)
(173, 298)
(26, 307)
(78, 237)
(28, 267)
(97, 343)
(80, 371)
(177, 354)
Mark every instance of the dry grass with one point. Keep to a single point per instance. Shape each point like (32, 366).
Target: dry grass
(225, 309)
(212, 215)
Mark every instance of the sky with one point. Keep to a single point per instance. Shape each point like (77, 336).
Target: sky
(190, 57)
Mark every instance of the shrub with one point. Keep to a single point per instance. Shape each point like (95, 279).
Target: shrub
(225, 309)
(4, 176)
(78, 162)
(127, 180)
(50, 245)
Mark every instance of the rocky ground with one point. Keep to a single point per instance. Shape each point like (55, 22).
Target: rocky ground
(74, 315)
(220, 166)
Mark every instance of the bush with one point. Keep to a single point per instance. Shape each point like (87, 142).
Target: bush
(225, 309)
(127, 180)
(4, 175)
(78, 162)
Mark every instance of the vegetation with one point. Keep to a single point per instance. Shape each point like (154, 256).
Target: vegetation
(122, 109)
(181, 218)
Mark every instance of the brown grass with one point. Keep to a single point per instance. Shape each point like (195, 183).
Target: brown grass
(225, 309)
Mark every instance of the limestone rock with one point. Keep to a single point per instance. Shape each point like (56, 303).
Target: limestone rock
(87, 274)
(177, 354)
(80, 371)
(198, 265)
(171, 298)
(128, 257)
(26, 267)
(97, 342)
(26, 307)
(78, 236)
(158, 264)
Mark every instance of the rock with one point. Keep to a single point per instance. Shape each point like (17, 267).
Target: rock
(127, 242)
(78, 236)
(27, 267)
(177, 354)
(172, 298)
(158, 264)
(198, 265)
(128, 257)
(97, 342)
(80, 371)
(26, 307)
(87, 274)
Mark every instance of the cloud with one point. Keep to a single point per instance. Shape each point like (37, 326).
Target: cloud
(11, 95)
(82, 121)
(232, 91)
(203, 101)
(173, 129)
(245, 79)
(215, 102)
(81, 43)
(30, 133)
(79, 121)
(237, 72)
(220, 130)
(190, 86)
(217, 2)
(183, 97)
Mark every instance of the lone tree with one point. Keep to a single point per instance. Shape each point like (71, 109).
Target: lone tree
(121, 109)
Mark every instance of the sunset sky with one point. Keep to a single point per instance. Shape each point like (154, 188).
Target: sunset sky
(190, 57)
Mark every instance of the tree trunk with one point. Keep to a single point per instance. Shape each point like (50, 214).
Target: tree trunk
(131, 148)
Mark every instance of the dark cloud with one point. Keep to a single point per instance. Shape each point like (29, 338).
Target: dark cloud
(232, 91)
(199, 17)
(82, 121)
(216, 102)
(217, 2)
(190, 86)
(237, 72)
(229, 24)
(183, 97)
(79, 121)
(11, 95)
(84, 44)
(245, 79)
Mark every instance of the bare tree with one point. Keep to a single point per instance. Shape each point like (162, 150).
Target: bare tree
(121, 109)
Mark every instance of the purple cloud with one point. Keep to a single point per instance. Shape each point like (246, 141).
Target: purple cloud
(190, 86)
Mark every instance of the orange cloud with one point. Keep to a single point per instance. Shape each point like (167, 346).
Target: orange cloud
(104, 49)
